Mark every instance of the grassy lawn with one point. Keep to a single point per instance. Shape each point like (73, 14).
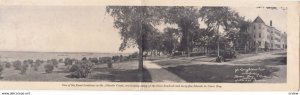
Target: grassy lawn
(200, 69)
(121, 72)
(278, 59)
(182, 60)
(268, 61)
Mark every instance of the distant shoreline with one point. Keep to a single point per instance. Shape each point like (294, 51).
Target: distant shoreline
(24, 55)
(67, 52)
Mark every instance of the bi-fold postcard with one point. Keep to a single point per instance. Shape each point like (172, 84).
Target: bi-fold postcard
(171, 45)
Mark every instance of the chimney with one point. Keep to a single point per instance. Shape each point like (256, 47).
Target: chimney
(270, 22)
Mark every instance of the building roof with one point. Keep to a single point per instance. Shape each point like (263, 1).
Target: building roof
(258, 20)
(273, 28)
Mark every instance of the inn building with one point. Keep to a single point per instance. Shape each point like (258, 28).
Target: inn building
(266, 37)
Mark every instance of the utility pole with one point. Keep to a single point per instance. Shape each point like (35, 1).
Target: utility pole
(218, 41)
(188, 43)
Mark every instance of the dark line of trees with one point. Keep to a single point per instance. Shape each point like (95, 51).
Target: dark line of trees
(137, 25)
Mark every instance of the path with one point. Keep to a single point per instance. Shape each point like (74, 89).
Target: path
(159, 74)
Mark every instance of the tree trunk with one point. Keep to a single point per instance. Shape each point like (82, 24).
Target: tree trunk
(234, 45)
(218, 41)
(141, 44)
(140, 58)
(188, 43)
(206, 49)
(245, 48)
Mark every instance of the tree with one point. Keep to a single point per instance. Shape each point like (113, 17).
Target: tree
(152, 42)
(232, 35)
(134, 22)
(170, 40)
(186, 18)
(216, 17)
(245, 38)
(201, 38)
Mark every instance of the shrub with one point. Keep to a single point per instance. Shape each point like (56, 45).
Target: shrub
(84, 58)
(68, 61)
(54, 62)
(106, 59)
(100, 60)
(61, 60)
(42, 61)
(48, 61)
(125, 58)
(35, 67)
(17, 65)
(30, 61)
(49, 68)
(24, 67)
(25, 63)
(81, 69)
(74, 67)
(38, 62)
(121, 58)
(115, 58)
(7, 64)
(135, 55)
(94, 60)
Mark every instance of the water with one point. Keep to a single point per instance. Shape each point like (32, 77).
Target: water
(16, 55)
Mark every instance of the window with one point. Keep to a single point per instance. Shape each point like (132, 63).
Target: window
(259, 35)
(254, 35)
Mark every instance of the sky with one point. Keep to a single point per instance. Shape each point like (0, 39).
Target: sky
(278, 17)
(80, 28)
(58, 29)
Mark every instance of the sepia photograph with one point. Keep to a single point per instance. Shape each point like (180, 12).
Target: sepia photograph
(144, 44)
(65, 44)
(217, 45)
